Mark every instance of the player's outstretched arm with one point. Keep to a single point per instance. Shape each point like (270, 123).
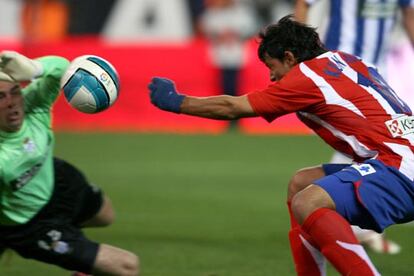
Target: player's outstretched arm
(164, 95)
(218, 107)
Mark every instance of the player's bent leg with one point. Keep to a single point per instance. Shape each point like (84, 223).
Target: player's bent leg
(309, 200)
(368, 238)
(307, 258)
(303, 178)
(315, 210)
(111, 260)
(104, 217)
(306, 255)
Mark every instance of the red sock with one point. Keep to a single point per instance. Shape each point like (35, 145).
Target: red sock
(334, 236)
(308, 260)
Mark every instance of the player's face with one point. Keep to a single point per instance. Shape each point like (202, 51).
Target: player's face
(11, 106)
(278, 69)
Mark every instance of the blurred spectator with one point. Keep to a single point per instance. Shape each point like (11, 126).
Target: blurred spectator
(362, 28)
(401, 69)
(196, 8)
(88, 16)
(270, 11)
(10, 19)
(228, 24)
(44, 20)
(264, 10)
(150, 20)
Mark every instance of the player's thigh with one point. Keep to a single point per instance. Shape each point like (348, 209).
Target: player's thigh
(303, 178)
(104, 217)
(55, 243)
(309, 200)
(74, 196)
(115, 261)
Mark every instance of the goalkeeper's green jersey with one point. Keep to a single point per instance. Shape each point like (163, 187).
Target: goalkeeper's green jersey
(26, 156)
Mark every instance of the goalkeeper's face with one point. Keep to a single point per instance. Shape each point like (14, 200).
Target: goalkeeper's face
(11, 106)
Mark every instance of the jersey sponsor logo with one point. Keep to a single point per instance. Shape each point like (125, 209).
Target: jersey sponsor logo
(364, 169)
(401, 126)
(29, 145)
(26, 176)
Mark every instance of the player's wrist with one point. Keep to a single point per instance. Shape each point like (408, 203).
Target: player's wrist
(164, 95)
(176, 103)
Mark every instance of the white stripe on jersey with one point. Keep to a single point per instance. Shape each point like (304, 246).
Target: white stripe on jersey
(370, 39)
(391, 90)
(407, 161)
(330, 95)
(348, 26)
(359, 148)
(382, 60)
(353, 75)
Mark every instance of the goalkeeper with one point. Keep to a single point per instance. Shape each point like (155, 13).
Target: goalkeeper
(45, 201)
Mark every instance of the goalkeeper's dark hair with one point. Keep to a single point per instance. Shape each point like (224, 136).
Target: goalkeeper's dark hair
(289, 35)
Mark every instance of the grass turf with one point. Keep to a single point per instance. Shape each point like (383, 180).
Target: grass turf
(199, 205)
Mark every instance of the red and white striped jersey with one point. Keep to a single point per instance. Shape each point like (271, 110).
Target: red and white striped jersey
(348, 104)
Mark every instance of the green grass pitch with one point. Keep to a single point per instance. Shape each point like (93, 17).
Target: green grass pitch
(200, 205)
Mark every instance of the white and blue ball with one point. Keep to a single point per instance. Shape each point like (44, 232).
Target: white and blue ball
(90, 84)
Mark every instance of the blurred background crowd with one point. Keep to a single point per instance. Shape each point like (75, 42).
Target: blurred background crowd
(128, 19)
(211, 40)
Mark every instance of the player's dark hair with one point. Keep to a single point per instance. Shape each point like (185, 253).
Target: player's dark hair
(289, 35)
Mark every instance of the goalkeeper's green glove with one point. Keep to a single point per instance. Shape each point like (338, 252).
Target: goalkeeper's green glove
(18, 67)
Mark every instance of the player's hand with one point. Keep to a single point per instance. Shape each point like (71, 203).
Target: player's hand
(19, 67)
(164, 95)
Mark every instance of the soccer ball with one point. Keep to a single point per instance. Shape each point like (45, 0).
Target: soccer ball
(90, 84)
